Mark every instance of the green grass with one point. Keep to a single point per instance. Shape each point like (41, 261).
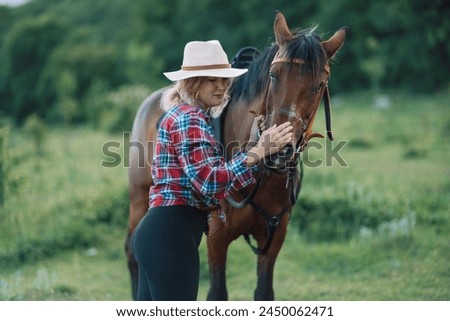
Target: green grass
(57, 196)
(396, 268)
(376, 229)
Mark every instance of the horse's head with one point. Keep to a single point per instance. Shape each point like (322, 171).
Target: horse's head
(298, 79)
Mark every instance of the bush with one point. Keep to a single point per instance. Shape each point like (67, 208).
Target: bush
(66, 203)
(114, 111)
(36, 129)
(4, 139)
(334, 219)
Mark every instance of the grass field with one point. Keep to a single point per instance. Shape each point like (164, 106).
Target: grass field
(374, 226)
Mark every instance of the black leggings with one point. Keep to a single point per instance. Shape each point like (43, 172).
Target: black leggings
(165, 245)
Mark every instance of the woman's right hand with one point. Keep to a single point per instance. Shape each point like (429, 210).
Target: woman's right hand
(272, 140)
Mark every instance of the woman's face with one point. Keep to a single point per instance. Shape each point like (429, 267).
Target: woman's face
(212, 91)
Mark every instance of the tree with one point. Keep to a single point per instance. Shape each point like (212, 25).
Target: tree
(26, 51)
(73, 71)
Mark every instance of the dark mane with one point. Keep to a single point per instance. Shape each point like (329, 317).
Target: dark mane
(305, 45)
(252, 83)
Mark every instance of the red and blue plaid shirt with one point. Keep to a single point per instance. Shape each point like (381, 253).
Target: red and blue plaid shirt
(188, 165)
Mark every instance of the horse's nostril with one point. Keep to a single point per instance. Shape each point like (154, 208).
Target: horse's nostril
(287, 151)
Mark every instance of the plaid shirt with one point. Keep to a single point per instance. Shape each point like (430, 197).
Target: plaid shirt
(188, 165)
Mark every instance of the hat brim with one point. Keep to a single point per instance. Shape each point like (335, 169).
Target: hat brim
(220, 73)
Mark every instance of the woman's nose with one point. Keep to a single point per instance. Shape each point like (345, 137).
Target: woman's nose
(222, 83)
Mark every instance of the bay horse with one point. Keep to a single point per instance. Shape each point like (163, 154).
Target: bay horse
(285, 83)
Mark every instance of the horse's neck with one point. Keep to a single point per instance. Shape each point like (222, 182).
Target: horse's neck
(239, 117)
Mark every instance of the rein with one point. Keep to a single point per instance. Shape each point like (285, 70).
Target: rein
(248, 199)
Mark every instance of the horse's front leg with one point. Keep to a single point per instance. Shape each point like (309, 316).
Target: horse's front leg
(218, 243)
(266, 263)
(264, 288)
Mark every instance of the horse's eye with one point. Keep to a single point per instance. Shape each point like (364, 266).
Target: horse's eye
(318, 88)
(272, 77)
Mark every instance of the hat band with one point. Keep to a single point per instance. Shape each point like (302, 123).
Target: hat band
(218, 66)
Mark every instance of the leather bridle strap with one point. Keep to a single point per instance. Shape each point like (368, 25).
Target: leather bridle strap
(272, 222)
(289, 60)
(327, 107)
(248, 198)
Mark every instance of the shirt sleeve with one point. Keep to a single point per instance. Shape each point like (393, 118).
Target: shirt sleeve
(202, 160)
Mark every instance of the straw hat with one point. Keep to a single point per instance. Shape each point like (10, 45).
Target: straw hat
(204, 58)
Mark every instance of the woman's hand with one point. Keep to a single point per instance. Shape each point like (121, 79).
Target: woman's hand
(272, 140)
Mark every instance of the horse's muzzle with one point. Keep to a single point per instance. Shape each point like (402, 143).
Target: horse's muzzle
(280, 160)
(286, 153)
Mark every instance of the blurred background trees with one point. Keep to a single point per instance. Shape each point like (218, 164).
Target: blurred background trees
(64, 60)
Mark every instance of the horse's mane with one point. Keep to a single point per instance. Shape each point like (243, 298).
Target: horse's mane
(305, 45)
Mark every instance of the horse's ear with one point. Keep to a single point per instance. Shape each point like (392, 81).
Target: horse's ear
(281, 29)
(333, 44)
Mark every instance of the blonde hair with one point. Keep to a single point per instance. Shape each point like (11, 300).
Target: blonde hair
(186, 91)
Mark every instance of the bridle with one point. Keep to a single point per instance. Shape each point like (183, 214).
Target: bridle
(308, 134)
(291, 170)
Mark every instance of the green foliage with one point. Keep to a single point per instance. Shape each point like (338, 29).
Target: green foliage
(6, 19)
(26, 51)
(341, 217)
(387, 44)
(171, 24)
(114, 111)
(143, 65)
(55, 52)
(376, 229)
(383, 146)
(75, 70)
(4, 141)
(68, 202)
(36, 130)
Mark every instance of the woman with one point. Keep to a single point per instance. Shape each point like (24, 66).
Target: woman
(190, 175)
